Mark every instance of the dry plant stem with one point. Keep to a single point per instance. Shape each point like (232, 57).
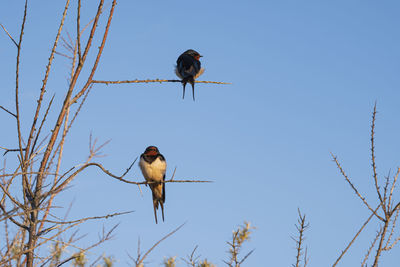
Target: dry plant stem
(50, 202)
(46, 76)
(373, 160)
(191, 259)
(19, 46)
(68, 128)
(387, 247)
(66, 103)
(61, 186)
(301, 227)
(32, 239)
(371, 247)
(9, 112)
(392, 188)
(12, 39)
(354, 188)
(305, 258)
(105, 237)
(103, 42)
(380, 246)
(355, 237)
(78, 31)
(90, 218)
(140, 260)
(152, 81)
(41, 125)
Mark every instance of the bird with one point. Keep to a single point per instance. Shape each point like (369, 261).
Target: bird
(188, 68)
(153, 167)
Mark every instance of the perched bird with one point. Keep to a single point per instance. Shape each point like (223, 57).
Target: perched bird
(188, 68)
(153, 166)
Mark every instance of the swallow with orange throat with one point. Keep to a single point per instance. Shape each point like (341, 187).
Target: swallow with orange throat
(188, 68)
(153, 167)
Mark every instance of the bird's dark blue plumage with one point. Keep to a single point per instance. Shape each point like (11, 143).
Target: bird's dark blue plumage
(188, 68)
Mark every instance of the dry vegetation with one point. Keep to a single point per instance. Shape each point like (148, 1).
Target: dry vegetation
(34, 236)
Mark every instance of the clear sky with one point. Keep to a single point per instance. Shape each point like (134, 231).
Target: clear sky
(305, 76)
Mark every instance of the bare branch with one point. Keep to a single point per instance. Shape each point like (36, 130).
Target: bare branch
(41, 124)
(387, 246)
(19, 46)
(140, 260)
(12, 39)
(90, 218)
(78, 31)
(373, 160)
(151, 81)
(46, 76)
(301, 227)
(354, 188)
(355, 237)
(371, 247)
(6, 110)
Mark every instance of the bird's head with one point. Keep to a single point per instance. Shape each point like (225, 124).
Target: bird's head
(193, 53)
(151, 151)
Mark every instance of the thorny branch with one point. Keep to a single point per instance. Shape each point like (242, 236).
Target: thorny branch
(301, 226)
(152, 81)
(139, 260)
(389, 208)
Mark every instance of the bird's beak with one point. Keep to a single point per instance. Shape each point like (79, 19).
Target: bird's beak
(200, 56)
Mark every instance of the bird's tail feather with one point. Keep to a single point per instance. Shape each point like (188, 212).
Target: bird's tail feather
(155, 206)
(190, 80)
(192, 89)
(184, 87)
(162, 209)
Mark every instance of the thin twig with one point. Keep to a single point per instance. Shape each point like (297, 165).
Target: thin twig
(371, 247)
(140, 260)
(12, 39)
(152, 81)
(354, 238)
(301, 227)
(375, 175)
(354, 188)
(6, 110)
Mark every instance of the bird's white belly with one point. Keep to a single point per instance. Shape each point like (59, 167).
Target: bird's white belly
(154, 171)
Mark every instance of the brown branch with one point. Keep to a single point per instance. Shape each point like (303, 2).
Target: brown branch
(46, 76)
(99, 53)
(41, 125)
(301, 227)
(151, 81)
(354, 188)
(140, 260)
(6, 110)
(191, 260)
(13, 220)
(392, 189)
(66, 104)
(354, 238)
(11, 150)
(371, 247)
(78, 31)
(58, 188)
(12, 39)
(387, 246)
(90, 218)
(375, 175)
(68, 128)
(19, 46)
(380, 246)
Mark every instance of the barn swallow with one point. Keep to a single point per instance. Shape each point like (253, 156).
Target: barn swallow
(153, 166)
(188, 68)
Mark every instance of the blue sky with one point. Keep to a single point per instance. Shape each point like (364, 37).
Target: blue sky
(305, 76)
